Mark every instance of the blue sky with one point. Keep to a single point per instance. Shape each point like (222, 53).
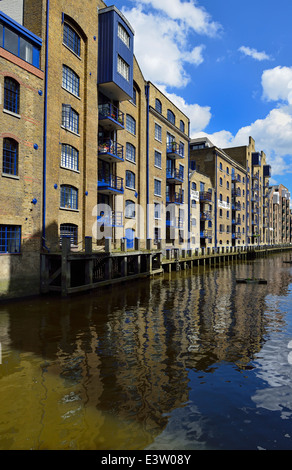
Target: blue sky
(227, 64)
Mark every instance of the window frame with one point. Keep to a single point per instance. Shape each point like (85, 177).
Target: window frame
(11, 100)
(130, 124)
(130, 152)
(70, 81)
(11, 154)
(157, 182)
(130, 178)
(75, 40)
(69, 114)
(72, 231)
(71, 193)
(69, 157)
(5, 241)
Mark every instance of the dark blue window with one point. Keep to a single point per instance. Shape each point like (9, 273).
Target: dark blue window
(71, 231)
(71, 39)
(170, 116)
(17, 44)
(11, 95)
(10, 157)
(130, 124)
(70, 118)
(70, 80)
(130, 179)
(10, 238)
(158, 105)
(182, 126)
(69, 197)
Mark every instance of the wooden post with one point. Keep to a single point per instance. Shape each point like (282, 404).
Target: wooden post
(89, 261)
(66, 268)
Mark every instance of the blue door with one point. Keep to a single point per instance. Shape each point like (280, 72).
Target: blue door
(130, 237)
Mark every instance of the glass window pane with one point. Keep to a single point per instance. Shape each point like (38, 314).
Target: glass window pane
(11, 41)
(1, 35)
(25, 50)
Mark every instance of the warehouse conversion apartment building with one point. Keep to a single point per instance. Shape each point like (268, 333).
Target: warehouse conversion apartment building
(90, 149)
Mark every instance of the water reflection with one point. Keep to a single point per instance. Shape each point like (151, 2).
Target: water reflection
(156, 363)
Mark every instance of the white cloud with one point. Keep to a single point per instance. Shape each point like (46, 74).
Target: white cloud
(277, 84)
(199, 116)
(254, 53)
(193, 16)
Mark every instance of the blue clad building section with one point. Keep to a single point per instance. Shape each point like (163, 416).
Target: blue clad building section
(116, 53)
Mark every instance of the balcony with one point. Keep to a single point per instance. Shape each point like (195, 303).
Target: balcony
(207, 234)
(236, 236)
(175, 198)
(256, 159)
(236, 192)
(205, 196)
(255, 176)
(110, 117)
(174, 150)
(175, 176)
(236, 221)
(109, 183)
(206, 215)
(175, 222)
(111, 219)
(111, 151)
(236, 207)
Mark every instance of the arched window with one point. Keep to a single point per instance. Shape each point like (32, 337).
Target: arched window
(130, 152)
(69, 197)
(130, 209)
(182, 126)
(10, 157)
(130, 179)
(71, 39)
(11, 95)
(70, 118)
(130, 124)
(158, 105)
(71, 231)
(170, 116)
(69, 157)
(70, 80)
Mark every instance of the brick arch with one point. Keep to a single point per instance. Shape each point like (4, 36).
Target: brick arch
(68, 19)
(8, 135)
(11, 75)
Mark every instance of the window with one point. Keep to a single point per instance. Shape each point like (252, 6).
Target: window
(123, 35)
(70, 118)
(170, 116)
(19, 46)
(130, 124)
(220, 181)
(130, 179)
(227, 184)
(10, 238)
(157, 187)
(157, 159)
(134, 99)
(130, 152)
(69, 197)
(181, 171)
(157, 210)
(123, 68)
(194, 186)
(70, 80)
(220, 166)
(182, 126)
(69, 230)
(69, 157)
(130, 209)
(158, 133)
(11, 95)
(10, 157)
(158, 105)
(202, 187)
(71, 39)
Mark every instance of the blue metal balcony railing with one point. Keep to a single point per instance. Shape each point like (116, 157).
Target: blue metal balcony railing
(111, 150)
(205, 196)
(236, 192)
(175, 175)
(236, 207)
(206, 234)
(206, 215)
(176, 198)
(109, 182)
(173, 149)
(113, 117)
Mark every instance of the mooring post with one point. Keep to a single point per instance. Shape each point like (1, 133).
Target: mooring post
(44, 274)
(66, 268)
(88, 261)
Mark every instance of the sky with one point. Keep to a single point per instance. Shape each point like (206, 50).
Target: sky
(227, 65)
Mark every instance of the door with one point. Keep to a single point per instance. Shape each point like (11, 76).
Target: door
(130, 238)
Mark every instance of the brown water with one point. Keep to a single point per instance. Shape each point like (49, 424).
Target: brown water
(190, 360)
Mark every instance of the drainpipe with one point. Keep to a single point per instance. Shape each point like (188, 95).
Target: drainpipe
(215, 231)
(147, 160)
(189, 194)
(45, 128)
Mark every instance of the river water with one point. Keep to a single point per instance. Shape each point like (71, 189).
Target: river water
(190, 360)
